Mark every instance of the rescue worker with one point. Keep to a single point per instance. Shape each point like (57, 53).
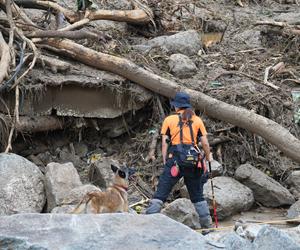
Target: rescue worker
(182, 130)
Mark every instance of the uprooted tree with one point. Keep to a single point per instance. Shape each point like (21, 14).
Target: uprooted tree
(19, 27)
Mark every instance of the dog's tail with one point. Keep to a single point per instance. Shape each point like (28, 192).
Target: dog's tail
(82, 205)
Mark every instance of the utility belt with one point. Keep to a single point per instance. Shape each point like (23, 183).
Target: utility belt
(189, 160)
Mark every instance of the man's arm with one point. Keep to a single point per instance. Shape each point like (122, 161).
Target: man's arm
(206, 148)
(164, 148)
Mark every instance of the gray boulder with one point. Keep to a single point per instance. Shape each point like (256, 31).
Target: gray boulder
(102, 231)
(182, 66)
(60, 180)
(100, 172)
(294, 233)
(21, 186)
(270, 238)
(73, 197)
(231, 196)
(77, 193)
(294, 182)
(234, 241)
(183, 211)
(216, 168)
(266, 190)
(294, 210)
(185, 42)
(64, 209)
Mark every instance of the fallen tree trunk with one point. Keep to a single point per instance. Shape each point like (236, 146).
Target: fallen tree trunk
(241, 117)
(5, 58)
(137, 16)
(38, 124)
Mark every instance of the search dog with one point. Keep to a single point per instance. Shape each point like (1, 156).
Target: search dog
(113, 200)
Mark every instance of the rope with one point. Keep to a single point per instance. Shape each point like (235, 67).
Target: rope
(253, 222)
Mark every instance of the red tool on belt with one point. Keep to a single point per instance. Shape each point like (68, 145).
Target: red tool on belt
(213, 196)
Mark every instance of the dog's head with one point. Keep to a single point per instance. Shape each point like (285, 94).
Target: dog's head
(122, 174)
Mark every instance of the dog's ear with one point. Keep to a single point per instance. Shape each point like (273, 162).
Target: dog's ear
(114, 168)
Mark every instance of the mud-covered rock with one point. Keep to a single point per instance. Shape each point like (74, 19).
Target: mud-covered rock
(266, 190)
(231, 196)
(252, 38)
(294, 183)
(104, 231)
(294, 210)
(21, 186)
(184, 42)
(181, 66)
(100, 172)
(110, 26)
(60, 180)
(81, 149)
(183, 211)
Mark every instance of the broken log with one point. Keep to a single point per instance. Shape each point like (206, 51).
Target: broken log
(241, 117)
(5, 58)
(38, 124)
(76, 34)
(137, 16)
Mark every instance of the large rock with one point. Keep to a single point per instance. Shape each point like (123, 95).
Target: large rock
(102, 231)
(185, 42)
(100, 172)
(294, 210)
(77, 193)
(182, 66)
(231, 196)
(73, 197)
(216, 168)
(294, 182)
(266, 190)
(270, 238)
(294, 233)
(183, 211)
(234, 241)
(60, 180)
(21, 185)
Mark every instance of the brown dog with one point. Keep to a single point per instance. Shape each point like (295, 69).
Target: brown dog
(113, 200)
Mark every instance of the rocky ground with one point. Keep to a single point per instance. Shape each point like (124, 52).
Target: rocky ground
(214, 47)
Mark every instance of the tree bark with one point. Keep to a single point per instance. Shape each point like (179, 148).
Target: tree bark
(266, 128)
(5, 58)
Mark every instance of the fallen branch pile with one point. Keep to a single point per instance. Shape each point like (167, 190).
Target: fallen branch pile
(55, 40)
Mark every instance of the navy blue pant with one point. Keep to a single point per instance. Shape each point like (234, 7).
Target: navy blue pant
(167, 181)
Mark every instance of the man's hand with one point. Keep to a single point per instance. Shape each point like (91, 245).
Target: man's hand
(164, 148)
(210, 158)
(206, 148)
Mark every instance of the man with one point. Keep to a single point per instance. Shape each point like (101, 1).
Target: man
(184, 130)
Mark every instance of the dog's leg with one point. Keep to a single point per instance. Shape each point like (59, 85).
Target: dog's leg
(82, 206)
